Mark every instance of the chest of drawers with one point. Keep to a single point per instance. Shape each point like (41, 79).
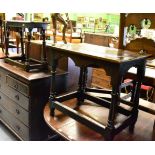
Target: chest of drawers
(22, 99)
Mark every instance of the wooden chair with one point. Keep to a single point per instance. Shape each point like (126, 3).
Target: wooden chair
(137, 44)
(149, 90)
(74, 32)
(134, 19)
(69, 31)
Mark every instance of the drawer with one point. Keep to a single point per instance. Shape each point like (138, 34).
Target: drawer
(14, 109)
(97, 82)
(19, 128)
(17, 85)
(17, 97)
(2, 76)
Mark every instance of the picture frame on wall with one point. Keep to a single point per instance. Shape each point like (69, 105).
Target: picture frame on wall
(91, 19)
(38, 16)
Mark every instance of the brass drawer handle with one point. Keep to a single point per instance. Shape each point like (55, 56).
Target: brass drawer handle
(17, 111)
(17, 97)
(17, 127)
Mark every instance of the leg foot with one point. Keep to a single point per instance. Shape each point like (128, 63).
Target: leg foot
(131, 129)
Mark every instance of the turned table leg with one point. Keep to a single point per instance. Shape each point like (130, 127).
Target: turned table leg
(82, 84)
(115, 94)
(21, 41)
(135, 95)
(7, 41)
(44, 46)
(53, 87)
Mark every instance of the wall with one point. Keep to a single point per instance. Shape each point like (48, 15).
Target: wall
(112, 19)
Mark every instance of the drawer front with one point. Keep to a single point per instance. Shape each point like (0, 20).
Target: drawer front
(2, 79)
(17, 97)
(17, 85)
(14, 109)
(19, 128)
(2, 75)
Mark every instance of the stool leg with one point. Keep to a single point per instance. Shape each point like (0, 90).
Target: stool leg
(110, 128)
(82, 84)
(132, 126)
(135, 101)
(135, 96)
(22, 41)
(53, 87)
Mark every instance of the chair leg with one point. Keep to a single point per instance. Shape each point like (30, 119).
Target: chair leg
(151, 96)
(147, 95)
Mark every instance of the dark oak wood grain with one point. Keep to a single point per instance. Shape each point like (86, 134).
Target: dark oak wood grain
(25, 62)
(116, 62)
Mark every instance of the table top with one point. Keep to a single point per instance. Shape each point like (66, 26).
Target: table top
(97, 52)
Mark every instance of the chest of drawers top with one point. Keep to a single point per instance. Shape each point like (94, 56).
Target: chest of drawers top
(28, 76)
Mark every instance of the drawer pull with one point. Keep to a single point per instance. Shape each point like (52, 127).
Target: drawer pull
(17, 97)
(17, 111)
(0, 111)
(0, 97)
(17, 127)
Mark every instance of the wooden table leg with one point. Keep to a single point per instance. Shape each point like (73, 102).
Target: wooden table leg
(44, 46)
(82, 84)
(7, 41)
(116, 82)
(135, 95)
(21, 41)
(53, 87)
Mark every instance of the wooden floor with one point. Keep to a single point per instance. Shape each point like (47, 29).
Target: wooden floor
(69, 129)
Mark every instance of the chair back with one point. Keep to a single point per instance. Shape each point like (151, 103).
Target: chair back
(137, 32)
